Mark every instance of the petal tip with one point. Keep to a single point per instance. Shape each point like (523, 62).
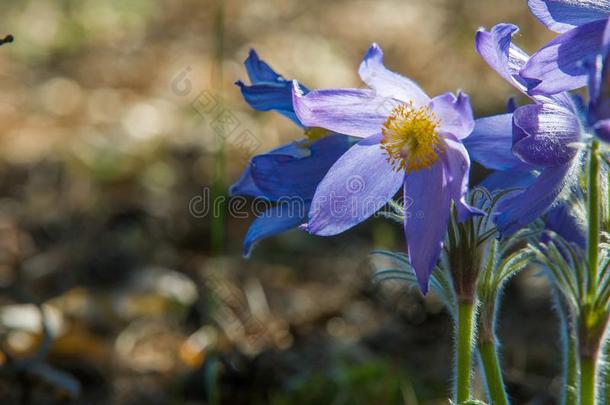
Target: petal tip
(375, 48)
(252, 54)
(508, 27)
(424, 284)
(247, 249)
(462, 97)
(299, 104)
(296, 89)
(233, 189)
(373, 54)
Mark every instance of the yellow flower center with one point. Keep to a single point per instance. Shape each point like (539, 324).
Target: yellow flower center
(411, 139)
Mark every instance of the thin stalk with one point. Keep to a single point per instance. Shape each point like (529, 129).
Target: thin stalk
(572, 372)
(217, 228)
(607, 205)
(493, 373)
(593, 193)
(587, 380)
(464, 343)
(605, 376)
(589, 345)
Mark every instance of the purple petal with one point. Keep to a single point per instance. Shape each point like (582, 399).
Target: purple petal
(599, 86)
(259, 71)
(562, 220)
(358, 185)
(562, 64)
(269, 90)
(563, 15)
(454, 113)
(353, 112)
(491, 142)
(496, 48)
(545, 134)
(596, 77)
(270, 97)
(387, 83)
(598, 113)
(520, 209)
(274, 220)
(426, 220)
(246, 185)
(279, 175)
(457, 169)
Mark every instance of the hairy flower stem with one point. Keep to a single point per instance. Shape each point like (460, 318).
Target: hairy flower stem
(587, 380)
(592, 326)
(605, 374)
(591, 359)
(594, 221)
(493, 373)
(464, 343)
(572, 372)
(488, 349)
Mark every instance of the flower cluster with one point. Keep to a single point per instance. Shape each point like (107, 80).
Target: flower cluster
(362, 146)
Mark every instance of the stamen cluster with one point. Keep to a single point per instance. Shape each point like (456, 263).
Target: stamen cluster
(411, 138)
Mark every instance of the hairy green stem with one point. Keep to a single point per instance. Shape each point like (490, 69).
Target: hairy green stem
(605, 375)
(572, 372)
(589, 341)
(493, 373)
(464, 343)
(587, 380)
(594, 221)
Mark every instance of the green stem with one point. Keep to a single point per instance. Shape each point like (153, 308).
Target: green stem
(217, 227)
(606, 212)
(594, 217)
(464, 340)
(570, 394)
(493, 373)
(589, 347)
(587, 381)
(605, 373)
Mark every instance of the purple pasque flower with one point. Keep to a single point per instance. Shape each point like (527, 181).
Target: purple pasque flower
(547, 134)
(598, 116)
(562, 64)
(410, 140)
(283, 179)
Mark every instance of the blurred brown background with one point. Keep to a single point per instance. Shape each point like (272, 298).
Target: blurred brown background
(106, 139)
